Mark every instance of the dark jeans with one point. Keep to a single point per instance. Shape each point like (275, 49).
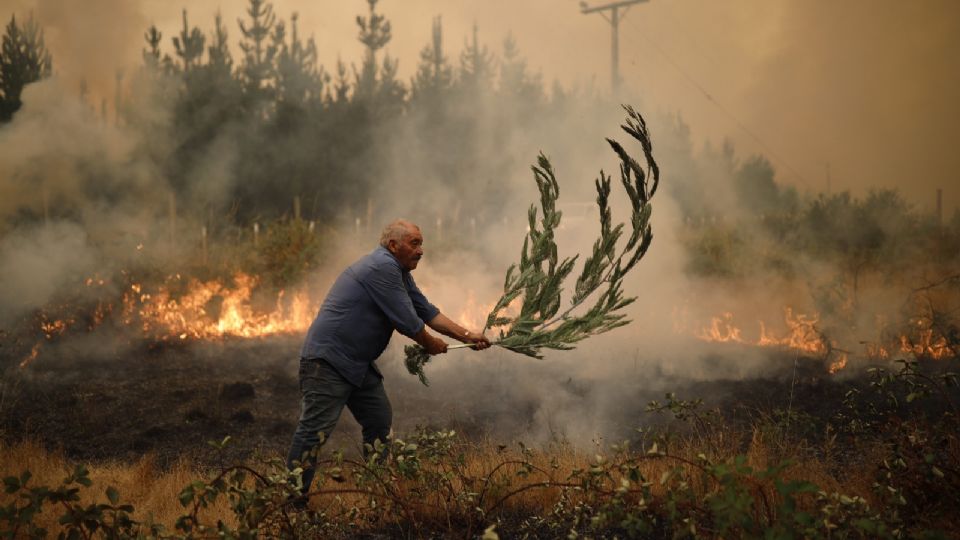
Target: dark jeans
(323, 394)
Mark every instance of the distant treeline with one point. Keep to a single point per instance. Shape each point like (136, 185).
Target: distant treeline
(280, 125)
(739, 222)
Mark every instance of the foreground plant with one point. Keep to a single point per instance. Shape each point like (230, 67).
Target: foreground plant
(538, 279)
(435, 484)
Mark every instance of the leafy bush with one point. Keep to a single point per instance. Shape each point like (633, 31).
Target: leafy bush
(290, 249)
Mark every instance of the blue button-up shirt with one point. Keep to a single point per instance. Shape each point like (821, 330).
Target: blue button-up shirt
(370, 299)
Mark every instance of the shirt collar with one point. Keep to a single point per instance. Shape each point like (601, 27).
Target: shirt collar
(392, 256)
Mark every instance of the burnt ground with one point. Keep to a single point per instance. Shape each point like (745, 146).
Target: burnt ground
(98, 397)
(168, 400)
(119, 402)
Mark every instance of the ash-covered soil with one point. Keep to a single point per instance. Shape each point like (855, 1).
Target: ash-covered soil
(168, 400)
(102, 399)
(101, 402)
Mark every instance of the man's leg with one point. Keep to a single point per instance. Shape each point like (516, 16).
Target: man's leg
(370, 406)
(323, 394)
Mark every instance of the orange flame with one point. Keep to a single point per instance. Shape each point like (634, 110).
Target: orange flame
(473, 315)
(838, 364)
(721, 330)
(801, 335)
(926, 345)
(877, 352)
(31, 357)
(54, 328)
(194, 315)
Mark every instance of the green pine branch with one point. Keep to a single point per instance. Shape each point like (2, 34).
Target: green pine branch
(539, 277)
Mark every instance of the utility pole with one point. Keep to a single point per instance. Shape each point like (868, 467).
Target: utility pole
(829, 192)
(616, 15)
(939, 207)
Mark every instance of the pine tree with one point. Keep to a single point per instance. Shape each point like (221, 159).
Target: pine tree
(207, 102)
(189, 45)
(151, 57)
(341, 86)
(218, 53)
(299, 80)
(434, 74)
(390, 91)
(476, 65)
(23, 59)
(374, 33)
(515, 80)
(256, 70)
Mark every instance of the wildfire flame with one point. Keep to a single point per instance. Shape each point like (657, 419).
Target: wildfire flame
(926, 345)
(30, 357)
(54, 328)
(197, 309)
(179, 309)
(838, 364)
(473, 315)
(802, 335)
(721, 330)
(193, 314)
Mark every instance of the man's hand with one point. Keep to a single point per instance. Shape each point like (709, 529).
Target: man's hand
(480, 341)
(435, 345)
(431, 344)
(441, 323)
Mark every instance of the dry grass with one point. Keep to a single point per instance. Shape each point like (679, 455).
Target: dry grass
(152, 492)
(486, 466)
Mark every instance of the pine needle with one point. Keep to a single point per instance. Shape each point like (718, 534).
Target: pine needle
(539, 276)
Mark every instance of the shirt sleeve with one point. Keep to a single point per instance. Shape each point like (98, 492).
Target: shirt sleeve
(385, 286)
(425, 310)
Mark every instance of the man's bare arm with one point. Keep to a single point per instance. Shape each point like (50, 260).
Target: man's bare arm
(443, 324)
(433, 345)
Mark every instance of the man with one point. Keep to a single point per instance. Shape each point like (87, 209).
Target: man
(373, 297)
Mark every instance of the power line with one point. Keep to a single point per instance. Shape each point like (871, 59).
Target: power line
(709, 97)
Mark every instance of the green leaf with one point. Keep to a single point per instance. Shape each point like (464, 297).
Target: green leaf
(11, 483)
(186, 496)
(113, 495)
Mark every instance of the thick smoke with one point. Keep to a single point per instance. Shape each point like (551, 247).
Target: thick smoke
(38, 263)
(76, 192)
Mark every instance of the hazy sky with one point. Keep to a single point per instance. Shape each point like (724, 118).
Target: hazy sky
(868, 90)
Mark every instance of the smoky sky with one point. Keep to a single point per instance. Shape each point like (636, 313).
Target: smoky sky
(839, 95)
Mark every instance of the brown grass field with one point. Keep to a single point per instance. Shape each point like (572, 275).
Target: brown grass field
(153, 490)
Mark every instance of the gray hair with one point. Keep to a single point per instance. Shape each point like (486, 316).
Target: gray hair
(396, 231)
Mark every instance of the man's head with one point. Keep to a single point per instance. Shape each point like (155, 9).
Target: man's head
(404, 240)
